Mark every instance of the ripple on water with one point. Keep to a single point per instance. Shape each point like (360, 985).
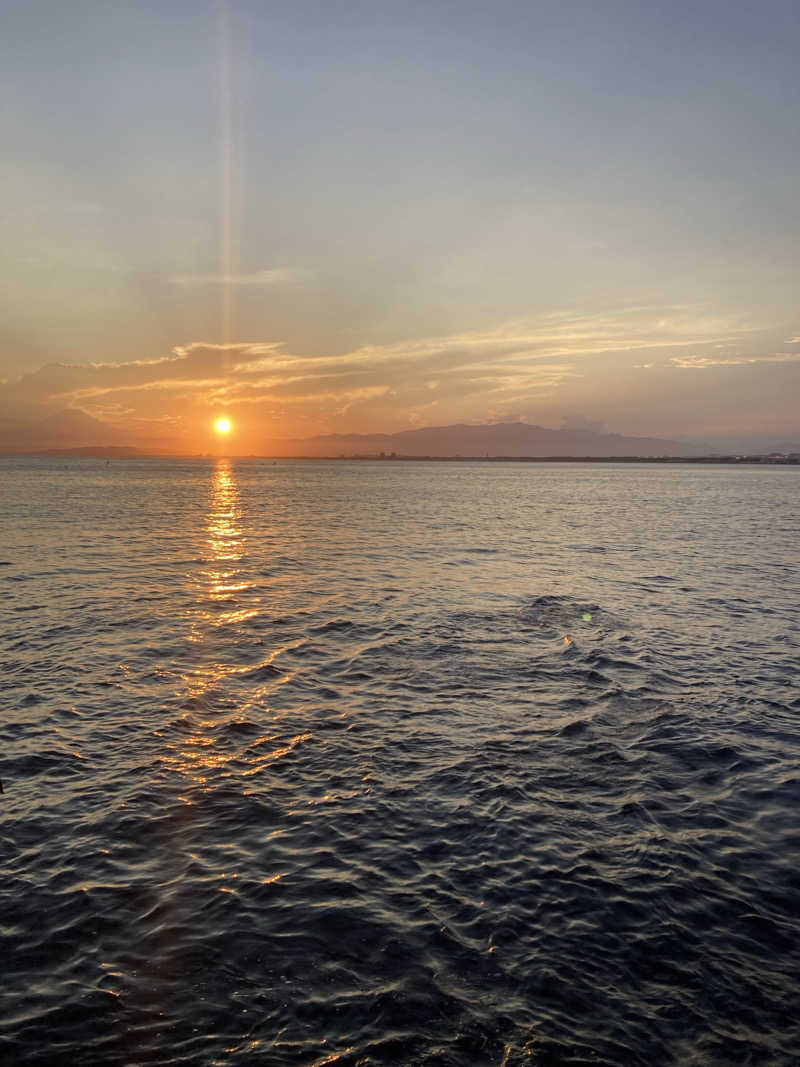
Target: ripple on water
(440, 789)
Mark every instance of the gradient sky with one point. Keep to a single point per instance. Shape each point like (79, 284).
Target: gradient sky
(342, 216)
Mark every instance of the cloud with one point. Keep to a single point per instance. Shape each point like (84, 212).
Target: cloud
(580, 422)
(511, 369)
(703, 362)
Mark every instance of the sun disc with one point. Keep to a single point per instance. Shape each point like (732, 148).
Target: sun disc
(223, 425)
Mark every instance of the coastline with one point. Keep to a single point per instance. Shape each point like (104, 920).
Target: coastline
(100, 452)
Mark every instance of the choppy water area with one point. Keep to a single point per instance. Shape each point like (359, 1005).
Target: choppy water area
(399, 763)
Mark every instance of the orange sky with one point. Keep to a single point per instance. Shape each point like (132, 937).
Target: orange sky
(318, 224)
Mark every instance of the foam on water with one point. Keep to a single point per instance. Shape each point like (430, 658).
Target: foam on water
(399, 764)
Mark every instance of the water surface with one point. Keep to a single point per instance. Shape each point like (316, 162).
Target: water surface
(399, 763)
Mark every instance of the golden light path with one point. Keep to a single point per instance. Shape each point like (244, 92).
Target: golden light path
(228, 599)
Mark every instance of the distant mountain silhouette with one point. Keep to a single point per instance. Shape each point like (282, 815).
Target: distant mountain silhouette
(67, 428)
(72, 429)
(494, 439)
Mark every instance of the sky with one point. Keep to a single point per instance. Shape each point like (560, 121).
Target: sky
(318, 217)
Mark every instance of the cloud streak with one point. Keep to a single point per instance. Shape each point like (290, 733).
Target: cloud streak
(539, 368)
(704, 362)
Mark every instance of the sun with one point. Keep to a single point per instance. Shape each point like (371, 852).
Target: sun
(223, 426)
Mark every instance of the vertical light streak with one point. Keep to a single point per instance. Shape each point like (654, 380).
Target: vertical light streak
(225, 169)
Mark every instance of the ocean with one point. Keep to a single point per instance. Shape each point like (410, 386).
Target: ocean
(426, 763)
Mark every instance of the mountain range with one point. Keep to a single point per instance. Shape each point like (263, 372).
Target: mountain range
(74, 430)
(66, 428)
(513, 439)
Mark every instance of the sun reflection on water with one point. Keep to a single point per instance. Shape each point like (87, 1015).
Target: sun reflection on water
(221, 586)
(224, 537)
(225, 691)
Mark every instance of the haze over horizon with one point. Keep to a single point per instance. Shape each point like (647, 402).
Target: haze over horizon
(363, 218)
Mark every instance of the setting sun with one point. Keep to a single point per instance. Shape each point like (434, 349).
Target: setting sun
(223, 425)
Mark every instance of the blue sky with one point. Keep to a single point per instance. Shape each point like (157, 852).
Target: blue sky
(408, 202)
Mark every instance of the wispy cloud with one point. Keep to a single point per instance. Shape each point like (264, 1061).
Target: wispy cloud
(515, 367)
(703, 362)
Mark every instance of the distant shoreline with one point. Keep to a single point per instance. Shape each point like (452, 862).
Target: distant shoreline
(773, 459)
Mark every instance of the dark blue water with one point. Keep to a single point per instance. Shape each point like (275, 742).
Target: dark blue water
(387, 763)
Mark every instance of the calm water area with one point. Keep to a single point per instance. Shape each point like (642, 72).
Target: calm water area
(369, 763)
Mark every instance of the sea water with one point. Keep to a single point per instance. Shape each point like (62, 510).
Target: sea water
(399, 763)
